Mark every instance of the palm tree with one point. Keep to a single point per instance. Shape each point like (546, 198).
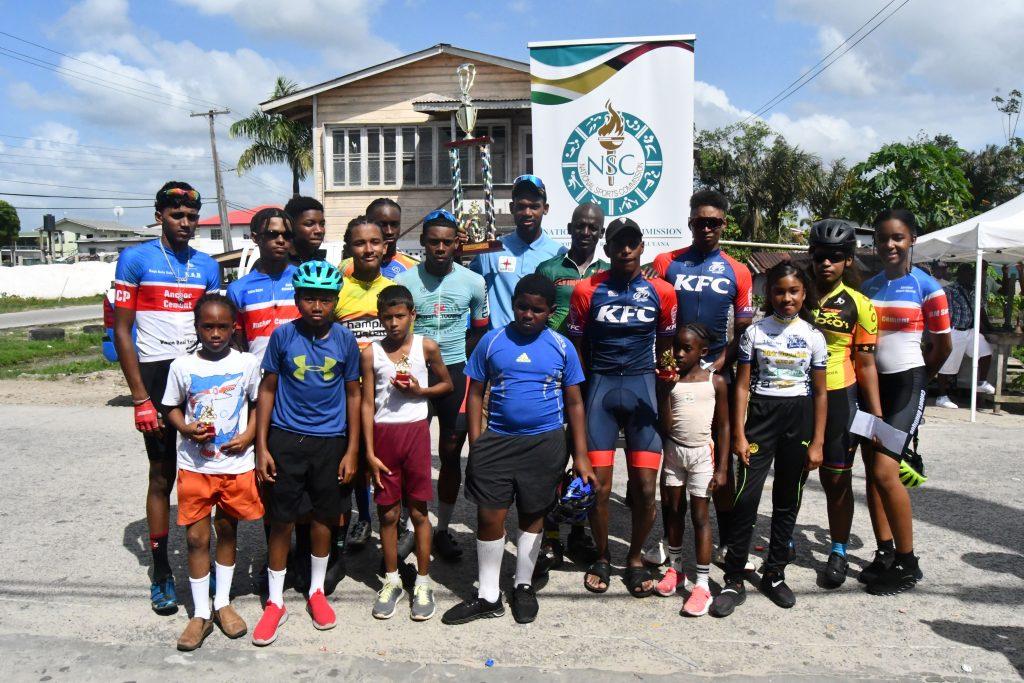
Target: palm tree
(276, 139)
(828, 188)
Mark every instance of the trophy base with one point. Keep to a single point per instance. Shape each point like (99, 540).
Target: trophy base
(486, 247)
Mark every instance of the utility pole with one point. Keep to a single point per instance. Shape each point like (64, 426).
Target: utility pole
(222, 204)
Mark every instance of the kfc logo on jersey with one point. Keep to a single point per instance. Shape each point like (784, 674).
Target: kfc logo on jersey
(623, 315)
(698, 283)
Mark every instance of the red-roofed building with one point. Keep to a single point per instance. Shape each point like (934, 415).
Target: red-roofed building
(209, 235)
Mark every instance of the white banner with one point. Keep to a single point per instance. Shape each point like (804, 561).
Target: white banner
(613, 125)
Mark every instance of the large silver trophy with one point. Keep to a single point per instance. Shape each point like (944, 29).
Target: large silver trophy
(480, 237)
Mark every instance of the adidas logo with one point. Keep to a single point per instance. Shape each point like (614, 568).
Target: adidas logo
(523, 358)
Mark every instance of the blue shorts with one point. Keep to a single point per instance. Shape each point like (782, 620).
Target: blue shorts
(624, 402)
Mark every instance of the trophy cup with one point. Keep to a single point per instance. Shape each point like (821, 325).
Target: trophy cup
(207, 418)
(481, 238)
(402, 374)
(667, 366)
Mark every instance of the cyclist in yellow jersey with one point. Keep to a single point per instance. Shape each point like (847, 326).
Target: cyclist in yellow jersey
(850, 325)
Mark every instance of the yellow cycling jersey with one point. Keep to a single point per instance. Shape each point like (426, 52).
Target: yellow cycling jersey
(357, 308)
(849, 322)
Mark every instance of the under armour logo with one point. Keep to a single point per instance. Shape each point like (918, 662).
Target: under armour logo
(301, 368)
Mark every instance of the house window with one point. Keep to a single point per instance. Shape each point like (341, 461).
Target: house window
(216, 234)
(525, 149)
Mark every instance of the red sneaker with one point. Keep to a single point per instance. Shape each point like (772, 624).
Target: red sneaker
(272, 620)
(669, 583)
(321, 611)
(698, 603)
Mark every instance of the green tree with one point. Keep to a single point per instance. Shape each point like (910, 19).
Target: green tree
(276, 139)
(996, 174)
(921, 176)
(827, 189)
(10, 226)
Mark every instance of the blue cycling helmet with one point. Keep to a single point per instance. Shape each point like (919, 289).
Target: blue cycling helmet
(317, 275)
(578, 497)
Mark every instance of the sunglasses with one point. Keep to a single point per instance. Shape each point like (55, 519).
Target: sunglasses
(439, 213)
(836, 256)
(190, 195)
(705, 222)
(178, 215)
(532, 179)
(271, 235)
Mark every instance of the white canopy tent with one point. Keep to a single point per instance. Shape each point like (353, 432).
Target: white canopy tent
(998, 236)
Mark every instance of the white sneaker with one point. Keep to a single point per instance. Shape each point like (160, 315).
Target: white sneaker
(944, 402)
(986, 388)
(655, 554)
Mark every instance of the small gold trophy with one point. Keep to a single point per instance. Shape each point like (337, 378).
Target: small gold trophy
(667, 366)
(207, 418)
(402, 374)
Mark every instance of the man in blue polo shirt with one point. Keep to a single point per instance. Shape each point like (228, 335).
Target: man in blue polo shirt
(525, 249)
(535, 375)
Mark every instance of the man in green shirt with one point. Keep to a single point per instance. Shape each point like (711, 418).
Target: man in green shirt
(585, 230)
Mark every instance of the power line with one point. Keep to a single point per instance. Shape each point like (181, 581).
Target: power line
(80, 208)
(35, 152)
(71, 187)
(66, 196)
(127, 163)
(74, 144)
(124, 169)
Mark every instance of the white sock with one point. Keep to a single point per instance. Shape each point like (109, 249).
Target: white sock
(224, 577)
(675, 558)
(201, 596)
(488, 560)
(444, 515)
(527, 550)
(393, 577)
(408, 523)
(702, 575)
(275, 586)
(423, 579)
(318, 570)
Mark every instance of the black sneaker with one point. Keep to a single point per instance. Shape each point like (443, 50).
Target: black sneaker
(731, 597)
(773, 584)
(835, 571)
(335, 570)
(581, 547)
(882, 562)
(474, 609)
(406, 572)
(790, 552)
(406, 543)
(300, 573)
(901, 576)
(524, 604)
(550, 557)
(446, 547)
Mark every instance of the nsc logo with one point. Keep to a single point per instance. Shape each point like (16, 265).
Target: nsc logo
(612, 159)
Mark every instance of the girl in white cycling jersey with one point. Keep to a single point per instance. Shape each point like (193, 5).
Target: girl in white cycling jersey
(781, 370)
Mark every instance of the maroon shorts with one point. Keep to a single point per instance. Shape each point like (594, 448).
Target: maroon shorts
(404, 448)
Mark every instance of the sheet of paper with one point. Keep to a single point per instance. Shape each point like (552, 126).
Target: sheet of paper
(863, 424)
(892, 439)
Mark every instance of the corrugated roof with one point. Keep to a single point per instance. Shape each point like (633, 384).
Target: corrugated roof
(239, 217)
(94, 225)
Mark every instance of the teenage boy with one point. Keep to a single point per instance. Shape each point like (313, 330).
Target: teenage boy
(535, 375)
(387, 214)
(445, 294)
(619, 320)
(585, 231)
(396, 396)
(157, 285)
(265, 297)
(309, 226)
(307, 437)
(523, 250)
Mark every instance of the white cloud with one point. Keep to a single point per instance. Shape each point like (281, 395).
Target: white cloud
(25, 96)
(850, 75)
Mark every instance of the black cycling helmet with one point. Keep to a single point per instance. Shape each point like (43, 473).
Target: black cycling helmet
(834, 232)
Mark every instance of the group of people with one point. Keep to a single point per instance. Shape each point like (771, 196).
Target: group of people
(311, 383)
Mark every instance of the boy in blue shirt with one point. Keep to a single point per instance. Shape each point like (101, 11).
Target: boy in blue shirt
(307, 437)
(534, 374)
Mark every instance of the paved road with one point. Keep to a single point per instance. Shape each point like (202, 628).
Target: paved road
(51, 316)
(75, 606)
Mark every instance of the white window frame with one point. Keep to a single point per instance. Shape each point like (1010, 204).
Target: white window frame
(437, 150)
(524, 151)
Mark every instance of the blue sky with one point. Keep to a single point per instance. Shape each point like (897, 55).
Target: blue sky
(930, 68)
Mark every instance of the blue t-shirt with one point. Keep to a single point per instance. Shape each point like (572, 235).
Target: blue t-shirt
(502, 271)
(311, 375)
(526, 375)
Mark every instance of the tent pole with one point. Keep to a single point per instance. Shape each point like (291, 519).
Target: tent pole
(977, 332)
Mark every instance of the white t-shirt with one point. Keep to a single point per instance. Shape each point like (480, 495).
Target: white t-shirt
(227, 386)
(781, 354)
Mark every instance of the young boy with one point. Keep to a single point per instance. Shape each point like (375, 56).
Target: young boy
(697, 397)
(310, 227)
(307, 416)
(535, 376)
(217, 386)
(396, 393)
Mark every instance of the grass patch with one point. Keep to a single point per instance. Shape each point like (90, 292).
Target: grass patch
(13, 304)
(78, 353)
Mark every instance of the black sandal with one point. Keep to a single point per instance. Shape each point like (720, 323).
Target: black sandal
(634, 578)
(602, 569)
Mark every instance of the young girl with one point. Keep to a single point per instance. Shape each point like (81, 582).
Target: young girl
(908, 301)
(697, 398)
(850, 325)
(210, 399)
(782, 371)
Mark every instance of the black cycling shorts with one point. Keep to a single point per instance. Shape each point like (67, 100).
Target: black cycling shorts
(307, 477)
(450, 409)
(902, 395)
(840, 443)
(154, 378)
(524, 469)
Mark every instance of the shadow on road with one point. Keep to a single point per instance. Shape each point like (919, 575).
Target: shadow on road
(1005, 640)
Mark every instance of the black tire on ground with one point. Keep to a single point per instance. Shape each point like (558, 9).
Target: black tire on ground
(46, 333)
(94, 329)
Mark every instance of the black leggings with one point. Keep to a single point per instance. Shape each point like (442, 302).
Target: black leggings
(779, 431)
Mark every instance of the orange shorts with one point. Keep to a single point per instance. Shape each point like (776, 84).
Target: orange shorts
(235, 494)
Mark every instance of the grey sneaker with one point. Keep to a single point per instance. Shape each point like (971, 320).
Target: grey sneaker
(387, 600)
(422, 603)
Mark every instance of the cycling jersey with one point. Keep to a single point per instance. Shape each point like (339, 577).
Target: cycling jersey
(782, 353)
(392, 269)
(906, 307)
(621, 321)
(566, 275)
(357, 308)
(442, 304)
(848, 321)
(265, 302)
(162, 287)
(707, 286)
